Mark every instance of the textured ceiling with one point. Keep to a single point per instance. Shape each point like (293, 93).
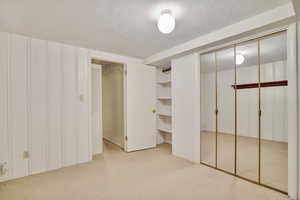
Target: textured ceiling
(125, 27)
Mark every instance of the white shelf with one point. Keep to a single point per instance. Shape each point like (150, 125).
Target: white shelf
(164, 82)
(165, 130)
(168, 114)
(164, 98)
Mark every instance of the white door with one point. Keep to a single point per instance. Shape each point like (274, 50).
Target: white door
(140, 100)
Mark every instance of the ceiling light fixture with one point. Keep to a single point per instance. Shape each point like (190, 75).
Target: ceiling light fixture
(239, 59)
(166, 22)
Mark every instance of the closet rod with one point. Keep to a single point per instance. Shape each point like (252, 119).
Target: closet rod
(263, 84)
(167, 69)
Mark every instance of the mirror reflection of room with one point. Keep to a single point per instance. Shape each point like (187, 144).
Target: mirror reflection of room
(244, 112)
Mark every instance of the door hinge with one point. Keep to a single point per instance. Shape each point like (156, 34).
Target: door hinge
(125, 71)
(126, 138)
(216, 111)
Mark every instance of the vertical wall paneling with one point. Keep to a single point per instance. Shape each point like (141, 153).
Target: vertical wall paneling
(18, 105)
(44, 103)
(69, 128)
(38, 109)
(298, 97)
(89, 105)
(96, 101)
(55, 78)
(83, 112)
(186, 107)
(4, 140)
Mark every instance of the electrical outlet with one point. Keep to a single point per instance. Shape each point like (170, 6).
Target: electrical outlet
(25, 155)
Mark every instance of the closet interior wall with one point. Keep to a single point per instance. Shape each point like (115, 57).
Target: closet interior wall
(244, 110)
(113, 103)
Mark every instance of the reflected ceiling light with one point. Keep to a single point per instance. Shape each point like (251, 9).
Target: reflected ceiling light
(239, 59)
(166, 22)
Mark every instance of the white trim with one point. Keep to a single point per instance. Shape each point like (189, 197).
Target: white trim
(298, 73)
(292, 112)
(125, 106)
(250, 24)
(100, 55)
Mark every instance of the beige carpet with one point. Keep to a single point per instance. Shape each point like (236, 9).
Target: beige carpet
(274, 157)
(151, 174)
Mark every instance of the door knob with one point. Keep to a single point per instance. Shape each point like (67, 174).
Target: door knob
(153, 111)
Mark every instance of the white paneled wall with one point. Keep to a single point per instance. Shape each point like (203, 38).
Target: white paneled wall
(18, 114)
(69, 111)
(84, 153)
(55, 78)
(4, 142)
(273, 101)
(44, 118)
(38, 103)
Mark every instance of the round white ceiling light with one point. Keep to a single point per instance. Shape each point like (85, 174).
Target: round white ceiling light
(166, 22)
(239, 59)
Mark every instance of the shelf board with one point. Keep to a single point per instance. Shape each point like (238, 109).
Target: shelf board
(165, 130)
(164, 82)
(164, 98)
(165, 114)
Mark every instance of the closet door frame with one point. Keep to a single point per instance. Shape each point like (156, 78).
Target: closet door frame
(91, 58)
(292, 72)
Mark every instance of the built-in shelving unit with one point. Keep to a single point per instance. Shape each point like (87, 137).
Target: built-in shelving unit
(164, 106)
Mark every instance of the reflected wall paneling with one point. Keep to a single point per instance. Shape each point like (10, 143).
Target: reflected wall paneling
(4, 140)
(38, 136)
(18, 105)
(54, 105)
(69, 111)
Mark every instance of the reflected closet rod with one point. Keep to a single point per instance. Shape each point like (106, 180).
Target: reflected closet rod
(263, 84)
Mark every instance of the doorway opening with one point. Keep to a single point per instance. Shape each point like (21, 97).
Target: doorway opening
(244, 110)
(108, 119)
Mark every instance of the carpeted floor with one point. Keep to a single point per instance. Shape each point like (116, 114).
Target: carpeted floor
(143, 175)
